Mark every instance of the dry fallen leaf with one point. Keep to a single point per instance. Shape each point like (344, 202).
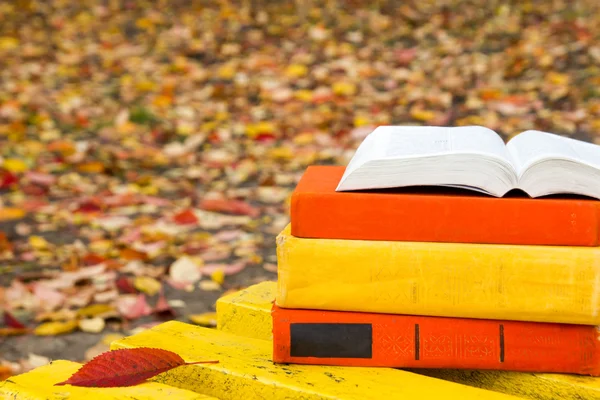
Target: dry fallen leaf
(185, 270)
(206, 319)
(133, 307)
(209, 286)
(5, 372)
(36, 361)
(11, 213)
(146, 284)
(55, 328)
(93, 325)
(13, 331)
(95, 310)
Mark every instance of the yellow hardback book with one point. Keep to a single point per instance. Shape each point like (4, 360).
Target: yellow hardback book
(512, 282)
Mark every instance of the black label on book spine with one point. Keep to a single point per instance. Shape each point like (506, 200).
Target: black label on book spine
(331, 340)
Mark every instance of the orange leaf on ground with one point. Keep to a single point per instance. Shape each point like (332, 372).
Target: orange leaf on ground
(229, 206)
(185, 217)
(92, 259)
(13, 331)
(5, 372)
(91, 167)
(10, 213)
(131, 254)
(4, 243)
(126, 367)
(7, 179)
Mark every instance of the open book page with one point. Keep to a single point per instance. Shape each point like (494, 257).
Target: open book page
(421, 141)
(480, 140)
(531, 147)
(419, 145)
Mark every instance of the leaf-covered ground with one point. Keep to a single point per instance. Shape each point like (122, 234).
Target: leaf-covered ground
(148, 148)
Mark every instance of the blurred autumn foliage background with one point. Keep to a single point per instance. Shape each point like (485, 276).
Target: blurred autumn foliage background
(148, 148)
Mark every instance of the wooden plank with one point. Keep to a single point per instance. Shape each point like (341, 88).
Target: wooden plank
(39, 383)
(247, 312)
(245, 371)
(240, 313)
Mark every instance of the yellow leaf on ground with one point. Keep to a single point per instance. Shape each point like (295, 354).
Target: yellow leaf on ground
(252, 130)
(60, 315)
(296, 70)
(557, 78)
(303, 95)
(226, 71)
(146, 284)
(15, 165)
(281, 153)
(145, 86)
(9, 213)
(344, 88)
(422, 115)
(55, 328)
(38, 242)
(304, 138)
(93, 167)
(205, 319)
(361, 121)
(8, 43)
(95, 310)
(111, 337)
(218, 276)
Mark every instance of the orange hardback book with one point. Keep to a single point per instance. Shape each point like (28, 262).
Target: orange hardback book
(437, 215)
(405, 341)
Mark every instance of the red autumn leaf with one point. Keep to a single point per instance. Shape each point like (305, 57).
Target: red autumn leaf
(265, 137)
(125, 285)
(7, 179)
(12, 322)
(229, 206)
(163, 310)
(126, 367)
(185, 217)
(89, 207)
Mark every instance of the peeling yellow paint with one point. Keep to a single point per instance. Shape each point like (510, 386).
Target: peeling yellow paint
(39, 383)
(245, 371)
(248, 313)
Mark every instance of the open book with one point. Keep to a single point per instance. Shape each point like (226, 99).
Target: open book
(476, 158)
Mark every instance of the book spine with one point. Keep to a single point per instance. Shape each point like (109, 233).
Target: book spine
(356, 216)
(400, 341)
(528, 283)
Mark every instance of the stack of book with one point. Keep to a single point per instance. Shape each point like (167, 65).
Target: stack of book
(424, 252)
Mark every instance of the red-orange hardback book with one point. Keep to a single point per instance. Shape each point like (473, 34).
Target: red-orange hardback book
(405, 341)
(437, 215)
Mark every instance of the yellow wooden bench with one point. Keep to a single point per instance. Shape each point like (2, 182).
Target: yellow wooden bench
(245, 371)
(248, 313)
(242, 344)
